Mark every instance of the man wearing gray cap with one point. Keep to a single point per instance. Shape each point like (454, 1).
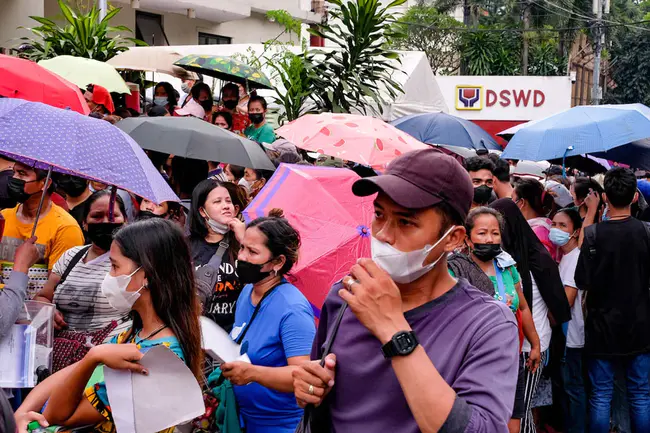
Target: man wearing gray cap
(416, 349)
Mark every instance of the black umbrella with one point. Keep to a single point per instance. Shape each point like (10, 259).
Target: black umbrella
(193, 138)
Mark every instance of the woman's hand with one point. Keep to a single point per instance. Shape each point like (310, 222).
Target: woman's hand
(118, 357)
(238, 372)
(534, 359)
(24, 418)
(238, 228)
(59, 321)
(592, 201)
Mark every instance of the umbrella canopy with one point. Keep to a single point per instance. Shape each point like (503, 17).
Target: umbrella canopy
(366, 140)
(581, 130)
(226, 68)
(463, 151)
(443, 128)
(82, 72)
(190, 137)
(67, 142)
(333, 223)
(20, 78)
(150, 61)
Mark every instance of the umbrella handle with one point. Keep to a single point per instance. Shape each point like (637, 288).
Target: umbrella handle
(564, 161)
(111, 204)
(40, 203)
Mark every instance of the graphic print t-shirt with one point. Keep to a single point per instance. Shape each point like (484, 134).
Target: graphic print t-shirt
(219, 307)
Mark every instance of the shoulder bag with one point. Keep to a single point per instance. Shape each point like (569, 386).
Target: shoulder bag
(207, 275)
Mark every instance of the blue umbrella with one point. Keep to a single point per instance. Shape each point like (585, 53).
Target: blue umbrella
(605, 131)
(442, 128)
(65, 141)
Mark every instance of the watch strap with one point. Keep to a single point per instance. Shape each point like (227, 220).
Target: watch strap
(394, 348)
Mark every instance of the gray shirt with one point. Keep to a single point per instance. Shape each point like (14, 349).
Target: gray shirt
(12, 298)
(472, 341)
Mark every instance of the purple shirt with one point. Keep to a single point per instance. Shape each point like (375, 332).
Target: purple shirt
(472, 341)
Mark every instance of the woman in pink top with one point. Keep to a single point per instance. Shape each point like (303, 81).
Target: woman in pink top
(536, 205)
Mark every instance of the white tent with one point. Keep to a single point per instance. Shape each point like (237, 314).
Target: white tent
(421, 91)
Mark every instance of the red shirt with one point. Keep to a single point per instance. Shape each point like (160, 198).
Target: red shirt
(240, 121)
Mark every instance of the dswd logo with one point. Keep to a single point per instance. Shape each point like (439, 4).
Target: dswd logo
(469, 97)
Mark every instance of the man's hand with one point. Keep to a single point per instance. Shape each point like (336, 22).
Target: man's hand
(238, 372)
(310, 376)
(59, 321)
(375, 300)
(534, 359)
(26, 255)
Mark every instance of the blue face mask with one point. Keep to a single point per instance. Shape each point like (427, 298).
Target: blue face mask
(559, 237)
(160, 101)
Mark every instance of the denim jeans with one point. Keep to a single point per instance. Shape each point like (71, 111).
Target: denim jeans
(574, 387)
(601, 375)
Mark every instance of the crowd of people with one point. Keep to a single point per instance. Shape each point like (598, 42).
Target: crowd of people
(490, 303)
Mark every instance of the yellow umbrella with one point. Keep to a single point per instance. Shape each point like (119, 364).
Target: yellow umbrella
(82, 72)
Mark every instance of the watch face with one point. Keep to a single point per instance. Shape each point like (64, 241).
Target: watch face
(404, 342)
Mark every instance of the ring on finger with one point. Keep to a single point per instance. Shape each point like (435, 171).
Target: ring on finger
(351, 282)
(311, 390)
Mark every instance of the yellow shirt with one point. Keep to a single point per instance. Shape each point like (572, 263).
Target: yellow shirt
(56, 232)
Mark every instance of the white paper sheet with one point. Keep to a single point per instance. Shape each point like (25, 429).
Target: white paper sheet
(217, 343)
(168, 396)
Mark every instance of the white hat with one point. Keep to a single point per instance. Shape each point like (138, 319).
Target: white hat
(192, 108)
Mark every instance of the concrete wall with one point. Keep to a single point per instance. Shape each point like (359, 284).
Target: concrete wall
(13, 14)
(181, 30)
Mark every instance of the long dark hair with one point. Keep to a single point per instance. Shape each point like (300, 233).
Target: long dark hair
(198, 225)
(534, 193)
(96, 196)
(281, 238)
(160, 248)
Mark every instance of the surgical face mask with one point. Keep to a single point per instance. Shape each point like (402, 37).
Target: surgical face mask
(482, 194)
(73, 186)
(160, 101)
(16, 189)
(558, 237)
(256, 118)
(114, 288)
(230, 104)
(186, 88)
(217, 227)
(404, 267)
(101, 234)
(246, 184)
(251, 273)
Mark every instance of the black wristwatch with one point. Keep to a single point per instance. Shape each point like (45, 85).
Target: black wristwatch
(402, 344)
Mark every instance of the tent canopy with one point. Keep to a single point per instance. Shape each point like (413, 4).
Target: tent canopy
(421, 91)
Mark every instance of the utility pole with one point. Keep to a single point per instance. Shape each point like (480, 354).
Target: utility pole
(599, 36)
(103, 8)
(524, 46)
(467, 22)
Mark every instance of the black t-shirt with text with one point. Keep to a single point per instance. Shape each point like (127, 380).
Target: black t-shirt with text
(219, 307)
(614, 269)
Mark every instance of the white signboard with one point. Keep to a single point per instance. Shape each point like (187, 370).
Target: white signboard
(505, 98)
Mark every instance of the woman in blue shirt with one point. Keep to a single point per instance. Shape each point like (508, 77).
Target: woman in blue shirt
(280, 336)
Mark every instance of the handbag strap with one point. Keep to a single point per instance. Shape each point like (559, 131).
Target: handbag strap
(77, 257)
(335, 329)
(501, 288)
(217, 258)
(257, 310)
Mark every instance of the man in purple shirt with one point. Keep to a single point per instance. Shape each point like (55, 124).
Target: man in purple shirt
(416, 349)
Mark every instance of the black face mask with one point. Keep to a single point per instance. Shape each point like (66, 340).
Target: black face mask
(73, 186)
(207, 105)
(256, 118)
(16, 190)
(101, 234)
(230, 104)
(5, 200)
(250, 273)
(482, 194)
(145, 215)
(486, 252)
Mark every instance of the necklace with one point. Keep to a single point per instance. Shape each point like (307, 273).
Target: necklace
(154, 333)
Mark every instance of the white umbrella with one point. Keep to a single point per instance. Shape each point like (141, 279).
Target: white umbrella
(151, 61)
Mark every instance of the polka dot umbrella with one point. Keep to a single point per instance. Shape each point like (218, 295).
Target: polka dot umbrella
(363, 139)
(64, 141)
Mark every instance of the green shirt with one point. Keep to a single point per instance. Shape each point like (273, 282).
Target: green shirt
(510, 279)
(263, 134)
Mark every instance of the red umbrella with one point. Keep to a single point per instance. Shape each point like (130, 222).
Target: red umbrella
(20, 78)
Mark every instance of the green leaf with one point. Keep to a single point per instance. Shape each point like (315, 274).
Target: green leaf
(67, 12)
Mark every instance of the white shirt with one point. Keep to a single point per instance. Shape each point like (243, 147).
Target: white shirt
(575, 337)
(540, 318)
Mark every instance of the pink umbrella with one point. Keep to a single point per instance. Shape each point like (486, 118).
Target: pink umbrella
(362, 139)
(333, 223)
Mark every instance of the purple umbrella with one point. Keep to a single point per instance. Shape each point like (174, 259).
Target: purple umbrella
(65, 141)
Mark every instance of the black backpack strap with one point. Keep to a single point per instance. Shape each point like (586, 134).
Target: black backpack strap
(77, 257)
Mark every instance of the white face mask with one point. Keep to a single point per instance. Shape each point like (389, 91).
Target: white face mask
(246, 184)
(217, 227)
(114, 288)
(403, 267)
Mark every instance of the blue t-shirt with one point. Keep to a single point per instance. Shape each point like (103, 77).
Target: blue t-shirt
(284, 328)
